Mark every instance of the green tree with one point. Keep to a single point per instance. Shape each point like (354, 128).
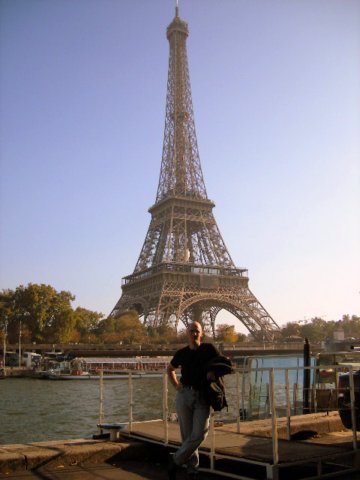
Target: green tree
(317, 329)
(86, 325)
(61, 327)
(351, 325)
(161, 334)
(41, 310)
(6, 301)
(6, 298)
(291, 329)
(126, 328)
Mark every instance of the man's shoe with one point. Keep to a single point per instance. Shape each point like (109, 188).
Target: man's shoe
(172, 467)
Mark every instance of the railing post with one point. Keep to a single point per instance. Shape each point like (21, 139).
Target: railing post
(267, 406)
(295, 397)
(313, 399)
(273, 418)
(243, 388)
(352, 405)
(316, 392)
(212, 443)
(165, 408)
(238, 401)
(101, 397)
(288, 404)
(131, 404)
(306, 377)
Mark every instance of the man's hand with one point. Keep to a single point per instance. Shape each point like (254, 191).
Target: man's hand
(171, 371)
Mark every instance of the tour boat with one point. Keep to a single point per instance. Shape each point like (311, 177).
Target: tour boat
(90, 368)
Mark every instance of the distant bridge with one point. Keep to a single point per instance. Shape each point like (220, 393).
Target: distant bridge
(153, 350)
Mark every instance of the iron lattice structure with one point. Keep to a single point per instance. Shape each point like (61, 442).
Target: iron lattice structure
(184, 271)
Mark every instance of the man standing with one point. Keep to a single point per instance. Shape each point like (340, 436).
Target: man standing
(192, 410)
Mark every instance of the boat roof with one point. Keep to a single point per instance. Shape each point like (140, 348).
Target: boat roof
(124, 359)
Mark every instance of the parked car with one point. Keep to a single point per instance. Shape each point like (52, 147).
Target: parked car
(344, 404)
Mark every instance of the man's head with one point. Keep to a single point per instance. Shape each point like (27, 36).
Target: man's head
(194, 333)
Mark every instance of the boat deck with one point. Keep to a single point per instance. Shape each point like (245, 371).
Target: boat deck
(251, 450)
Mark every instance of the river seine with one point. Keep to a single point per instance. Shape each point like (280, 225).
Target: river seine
(37, 410)
(34, 410)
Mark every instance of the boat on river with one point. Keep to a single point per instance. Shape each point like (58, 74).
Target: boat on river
(90, 368)
(54, 374)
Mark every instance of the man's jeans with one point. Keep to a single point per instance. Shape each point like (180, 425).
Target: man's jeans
(193, 416)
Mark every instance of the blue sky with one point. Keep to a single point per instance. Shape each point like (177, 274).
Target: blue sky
(276, 93)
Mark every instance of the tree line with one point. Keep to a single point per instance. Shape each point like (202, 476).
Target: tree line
(40, 314)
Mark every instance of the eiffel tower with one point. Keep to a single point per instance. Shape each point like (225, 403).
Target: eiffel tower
(184, 271)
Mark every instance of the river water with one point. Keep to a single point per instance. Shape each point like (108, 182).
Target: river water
(34, 410)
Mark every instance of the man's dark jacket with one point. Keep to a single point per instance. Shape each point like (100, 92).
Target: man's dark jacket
(214, 390)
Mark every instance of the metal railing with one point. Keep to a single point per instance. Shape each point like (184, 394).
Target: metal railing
(281, 402)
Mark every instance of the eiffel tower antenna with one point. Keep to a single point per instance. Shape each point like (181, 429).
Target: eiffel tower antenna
(184, 271)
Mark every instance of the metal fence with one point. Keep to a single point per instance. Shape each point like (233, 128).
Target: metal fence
(276, 398)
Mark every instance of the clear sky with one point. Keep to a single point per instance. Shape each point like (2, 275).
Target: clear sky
(276, 93)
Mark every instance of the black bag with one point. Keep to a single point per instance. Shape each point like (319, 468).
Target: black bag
(215, 395)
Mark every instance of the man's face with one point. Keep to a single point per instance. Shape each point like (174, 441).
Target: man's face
(194, 332)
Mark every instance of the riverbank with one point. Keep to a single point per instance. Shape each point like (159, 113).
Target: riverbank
(66, 453)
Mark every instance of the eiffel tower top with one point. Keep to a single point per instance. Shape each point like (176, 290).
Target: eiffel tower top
(181, 173)
(177, 23)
